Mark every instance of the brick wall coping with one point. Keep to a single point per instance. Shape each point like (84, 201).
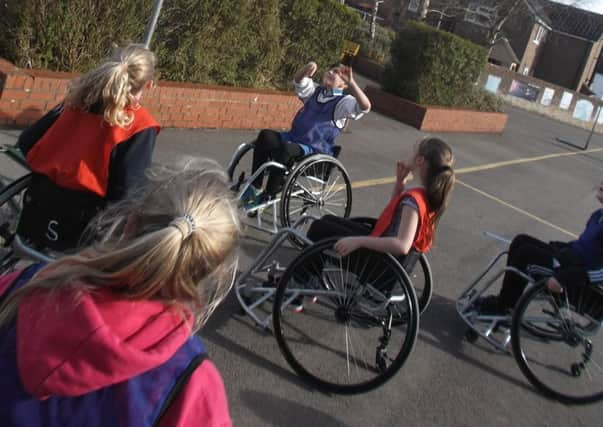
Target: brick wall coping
(26, 94)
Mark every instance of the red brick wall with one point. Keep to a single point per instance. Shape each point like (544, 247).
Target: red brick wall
(368, 68)
(435, 119)
(25, 95)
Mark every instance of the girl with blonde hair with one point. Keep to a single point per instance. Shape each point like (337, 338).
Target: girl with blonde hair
(92, 148)
(106, 336)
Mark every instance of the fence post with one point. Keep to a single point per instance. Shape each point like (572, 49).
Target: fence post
(590, 136)
(148, 33)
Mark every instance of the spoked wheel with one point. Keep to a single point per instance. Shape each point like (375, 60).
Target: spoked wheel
(11, 198)
(239, 169)
(334, 318)
(558, 344)
(318, 186)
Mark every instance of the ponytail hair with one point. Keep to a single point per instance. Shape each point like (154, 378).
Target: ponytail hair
(439, 176)
(113, 84)
(172, 241)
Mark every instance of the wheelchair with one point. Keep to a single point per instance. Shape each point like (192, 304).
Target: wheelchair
(12, 246)
(37, 222)
(344, 324)
(555, 338)
(316, 184)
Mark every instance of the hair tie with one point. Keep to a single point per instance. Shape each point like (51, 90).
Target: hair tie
(190, 222)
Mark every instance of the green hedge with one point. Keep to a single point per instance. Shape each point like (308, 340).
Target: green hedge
(378, 49)
(429, 66)
(233, 42)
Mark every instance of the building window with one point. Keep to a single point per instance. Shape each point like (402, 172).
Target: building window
(413, 5)
(526, 71)
(481, 15)
(539, 35)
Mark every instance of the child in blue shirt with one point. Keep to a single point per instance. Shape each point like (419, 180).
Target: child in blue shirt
(316, 125)
(575, 263)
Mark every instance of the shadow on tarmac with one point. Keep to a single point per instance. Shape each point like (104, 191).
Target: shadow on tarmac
(279, 411)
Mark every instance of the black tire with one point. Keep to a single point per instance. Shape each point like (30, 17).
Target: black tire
(318, 185)
(374, 348)
(422, 282)
(557, 344)
(239, 169)
(11, 197)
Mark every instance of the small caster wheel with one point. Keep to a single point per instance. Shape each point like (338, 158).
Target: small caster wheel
(576, 369)
(471, 335)
(380, 360)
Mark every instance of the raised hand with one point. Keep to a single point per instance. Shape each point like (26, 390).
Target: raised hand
(346, 74)
(310, 69)
(403, 173)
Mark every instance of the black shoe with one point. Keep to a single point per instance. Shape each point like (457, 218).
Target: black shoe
(489, 306)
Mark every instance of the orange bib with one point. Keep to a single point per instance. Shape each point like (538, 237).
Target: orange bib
(424, 235)
(76, 151)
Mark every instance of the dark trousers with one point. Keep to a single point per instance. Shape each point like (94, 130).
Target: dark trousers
(269, 146)
(523, 252)
(334, 226)
(368, 265)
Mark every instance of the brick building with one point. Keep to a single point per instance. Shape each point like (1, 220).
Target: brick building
(540, 38)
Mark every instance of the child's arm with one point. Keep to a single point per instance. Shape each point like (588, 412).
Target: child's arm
(304, 85)
(399, 245)
(361, 98)
(307, 70)
(403, 174)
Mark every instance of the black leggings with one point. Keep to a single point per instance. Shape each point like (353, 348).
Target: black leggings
(334, 226)
(269, 146)
(529, 255)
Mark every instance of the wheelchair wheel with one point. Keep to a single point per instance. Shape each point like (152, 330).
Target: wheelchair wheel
(422, 280)
(11, 198)
(333, 318)
(239, 169)
(318, 185)
(558, 344)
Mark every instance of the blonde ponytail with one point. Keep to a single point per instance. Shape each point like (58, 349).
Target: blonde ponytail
(146, 248)
(113, 85)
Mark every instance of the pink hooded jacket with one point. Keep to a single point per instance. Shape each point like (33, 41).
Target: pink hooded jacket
(67, 349)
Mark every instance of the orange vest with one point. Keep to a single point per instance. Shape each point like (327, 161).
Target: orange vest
(424, 235)
(76, 151)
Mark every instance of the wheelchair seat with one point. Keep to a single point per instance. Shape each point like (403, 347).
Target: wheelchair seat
(336, 151)
(54, 217)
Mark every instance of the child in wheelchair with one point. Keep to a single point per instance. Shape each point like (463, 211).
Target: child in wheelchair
(412, 214)
(314, 129)
(92, 148)
(409, 220)
(108, 334)
(569, 266)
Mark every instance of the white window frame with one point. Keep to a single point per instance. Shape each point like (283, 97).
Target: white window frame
(539, 35)
(526, 70)
(475, 11)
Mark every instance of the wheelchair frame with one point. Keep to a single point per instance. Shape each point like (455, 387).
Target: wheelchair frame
(241, 184)
(558, 328)
(486, 325)
(253, 291)
(263, 263)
